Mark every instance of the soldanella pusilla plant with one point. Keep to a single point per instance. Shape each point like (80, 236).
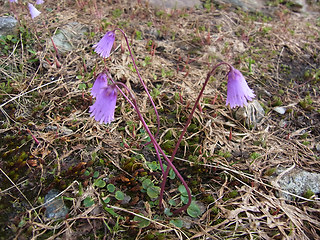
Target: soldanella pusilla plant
(105, 91)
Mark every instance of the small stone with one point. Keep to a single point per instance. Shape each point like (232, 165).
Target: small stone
(283, 123)
(174, 4)
(238, 46)
(8, 25)
(55, 209)
(65, 39)
(126, 199)
(318, 147)
(252, 114)
(280, 110)
(296, 181)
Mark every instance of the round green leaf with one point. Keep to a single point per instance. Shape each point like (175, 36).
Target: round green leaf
(147, 183)
(172, 174)
(88, 202)
(177, 222)
(194, 210)
(168, 212)
(119, 195)
(107, 200)
(184, 199)
(142, 223)
(172, 202)
(153, 165)
(82, 86)
(100, 183)
(111, 188)
(96, 174)
(153, 191)
(183, 190)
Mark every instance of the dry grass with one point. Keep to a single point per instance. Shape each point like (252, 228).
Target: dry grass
(232, 188)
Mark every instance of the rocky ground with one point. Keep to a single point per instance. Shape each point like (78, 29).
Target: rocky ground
(253, 172)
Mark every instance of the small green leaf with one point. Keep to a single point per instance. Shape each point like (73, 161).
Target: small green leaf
(153, 165)
(80, 189)
(194, 210)
(172, 202)
(9, 37)
(22, 223)
(68, 198)
(107, 200)
(184, 199)
(183, 190)
(119, 195)
(88, 202)
(96, 174)
(82, 86)
(172, 174)
(111, 211)
(142, 223)
(147, 183)
(168, 212)
(86, 173)
(153, 191)
(177, 222)
(99, 183)
(111, 188)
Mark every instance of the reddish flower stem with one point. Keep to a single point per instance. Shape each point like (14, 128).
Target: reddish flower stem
(142, 82)
(154, 141)
(165, 175)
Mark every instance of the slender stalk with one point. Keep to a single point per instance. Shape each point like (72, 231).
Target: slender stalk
(154, 142)
(165, 175)
(135, 107)
(142, 82)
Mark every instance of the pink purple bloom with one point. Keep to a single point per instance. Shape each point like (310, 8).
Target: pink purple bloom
(104, 46)
(39, 2)
(33, 11)
(15, 1)
(238, 91)
(106, 97)
(100, 83)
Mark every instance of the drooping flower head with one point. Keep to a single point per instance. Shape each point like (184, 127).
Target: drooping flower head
(100, 84)
(104, 46)
(106, 97)
(15, 1)
(33, 11)
(238, 91)
(38, 2)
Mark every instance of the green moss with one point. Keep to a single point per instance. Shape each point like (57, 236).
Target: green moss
(276, 101)
(168, 145)
(308, 194)
(233, 194)
(306, 103)
(270, 171)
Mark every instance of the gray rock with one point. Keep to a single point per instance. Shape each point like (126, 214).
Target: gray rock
(8, 25)
(252, 114)
(66, 38)
(295, 181)
(318, 147)
(55, 208)
(263, 6)
(174, 4)
(280, 110)
(248, 5)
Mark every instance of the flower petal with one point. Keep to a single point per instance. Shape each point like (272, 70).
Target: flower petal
(33, 11)
(100, 83)
(104, 46)
(238, 90)
(103, 109)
